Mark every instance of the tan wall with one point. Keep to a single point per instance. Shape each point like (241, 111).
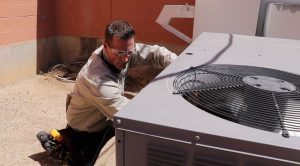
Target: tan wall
(17, 61)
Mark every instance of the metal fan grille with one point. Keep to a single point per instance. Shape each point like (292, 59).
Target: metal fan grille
(259, 97)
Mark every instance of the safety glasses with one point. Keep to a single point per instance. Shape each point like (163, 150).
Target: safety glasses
(120, 53)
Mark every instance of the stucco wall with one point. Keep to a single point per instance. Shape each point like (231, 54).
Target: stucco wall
(17, 61)
(26, 46)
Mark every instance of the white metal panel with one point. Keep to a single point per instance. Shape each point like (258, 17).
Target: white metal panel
(282, 21)
(226, 16)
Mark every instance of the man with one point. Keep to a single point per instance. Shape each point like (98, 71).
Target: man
(99, 90)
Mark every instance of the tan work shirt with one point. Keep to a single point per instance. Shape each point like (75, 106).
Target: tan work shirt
(99, 87)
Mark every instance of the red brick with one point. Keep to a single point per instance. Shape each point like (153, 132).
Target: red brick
(17, 36)
(17, 10)
(17, 23)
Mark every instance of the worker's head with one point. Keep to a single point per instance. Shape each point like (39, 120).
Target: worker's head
(119, 43)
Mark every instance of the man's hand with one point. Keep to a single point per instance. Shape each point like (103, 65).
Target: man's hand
(129, 95)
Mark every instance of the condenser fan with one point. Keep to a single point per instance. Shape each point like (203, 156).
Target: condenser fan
(258, 97)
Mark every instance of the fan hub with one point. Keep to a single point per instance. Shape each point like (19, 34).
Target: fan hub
(269, 83)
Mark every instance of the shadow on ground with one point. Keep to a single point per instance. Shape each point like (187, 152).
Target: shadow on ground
(44, 160)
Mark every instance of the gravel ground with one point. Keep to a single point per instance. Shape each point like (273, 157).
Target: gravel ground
(29, 106)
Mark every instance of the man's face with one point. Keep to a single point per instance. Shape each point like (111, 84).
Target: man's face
(119, 51)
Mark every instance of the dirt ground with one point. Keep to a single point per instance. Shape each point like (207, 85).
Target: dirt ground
(38, 103)
(29, 106)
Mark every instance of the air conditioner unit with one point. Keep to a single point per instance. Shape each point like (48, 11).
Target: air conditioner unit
(227, 100)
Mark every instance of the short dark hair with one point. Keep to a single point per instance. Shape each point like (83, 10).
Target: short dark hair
(118, 28)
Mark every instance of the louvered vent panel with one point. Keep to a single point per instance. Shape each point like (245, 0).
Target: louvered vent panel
(158, 155)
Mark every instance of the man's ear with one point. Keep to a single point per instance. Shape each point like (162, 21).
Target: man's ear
(105, 44)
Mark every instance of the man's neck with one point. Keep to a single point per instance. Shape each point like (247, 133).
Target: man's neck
(107, 61)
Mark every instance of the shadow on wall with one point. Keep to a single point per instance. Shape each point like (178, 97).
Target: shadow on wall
(75, 49)
(53, 49)
(45, 34)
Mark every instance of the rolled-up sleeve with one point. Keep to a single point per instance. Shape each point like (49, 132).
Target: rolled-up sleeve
(156, 56)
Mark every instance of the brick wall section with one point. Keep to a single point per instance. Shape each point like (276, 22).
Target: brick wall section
(22, 20)
(19, 20)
